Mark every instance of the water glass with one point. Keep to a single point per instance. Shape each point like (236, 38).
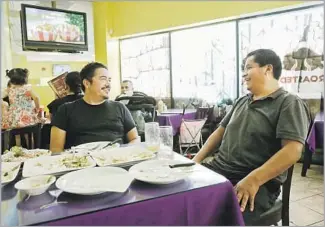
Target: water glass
(166, 142)
(152, 136)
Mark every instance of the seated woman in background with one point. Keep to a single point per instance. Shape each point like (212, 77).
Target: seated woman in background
(4, 113)
(24, 103)
(5, 96)
(73, 83)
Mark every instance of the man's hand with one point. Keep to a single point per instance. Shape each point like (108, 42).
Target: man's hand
(246, 190)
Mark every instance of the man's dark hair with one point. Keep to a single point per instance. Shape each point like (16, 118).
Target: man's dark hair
(127, 81)
(73, 80)
(17, 76)
(265, 57)
(88, 72)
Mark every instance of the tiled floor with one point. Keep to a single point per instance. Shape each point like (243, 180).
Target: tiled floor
(307, 197)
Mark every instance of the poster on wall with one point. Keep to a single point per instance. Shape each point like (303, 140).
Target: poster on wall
(298, 38)
(58, 85)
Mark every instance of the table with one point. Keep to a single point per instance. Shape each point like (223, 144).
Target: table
(205, 198)
(175, 120)
(316, 135)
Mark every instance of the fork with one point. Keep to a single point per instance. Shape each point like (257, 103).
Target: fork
(111, 143)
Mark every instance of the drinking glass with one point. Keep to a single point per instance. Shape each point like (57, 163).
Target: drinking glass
(152, 136)
(166, 142)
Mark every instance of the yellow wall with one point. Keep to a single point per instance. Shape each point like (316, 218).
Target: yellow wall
(142, 16)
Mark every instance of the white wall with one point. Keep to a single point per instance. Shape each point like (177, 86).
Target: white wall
(15, 31)
(6, 59)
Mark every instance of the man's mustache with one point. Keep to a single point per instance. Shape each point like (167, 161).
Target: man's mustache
(106, 87)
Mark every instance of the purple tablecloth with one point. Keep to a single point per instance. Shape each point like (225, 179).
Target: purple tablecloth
(205, 198)
(174, 120)
(178, 111)
(316, 136)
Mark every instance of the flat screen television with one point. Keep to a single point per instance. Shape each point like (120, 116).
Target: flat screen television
(51, 29)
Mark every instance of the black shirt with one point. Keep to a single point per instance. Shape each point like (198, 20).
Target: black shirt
(254, 130)
(86, 123)
(55, 104)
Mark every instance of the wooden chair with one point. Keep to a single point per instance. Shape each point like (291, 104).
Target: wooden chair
(5, 140)
(280, 210)
(33, 133)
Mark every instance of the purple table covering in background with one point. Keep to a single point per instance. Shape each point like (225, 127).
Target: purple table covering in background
(205, 198)
(174, 120)
(316, 136)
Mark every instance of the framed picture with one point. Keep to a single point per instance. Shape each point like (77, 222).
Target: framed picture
(60, 69)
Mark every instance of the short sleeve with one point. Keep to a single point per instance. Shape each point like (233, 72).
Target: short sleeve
(60, 119)
(293, 122)
(128, 120)
(51, 107)
(227, 118)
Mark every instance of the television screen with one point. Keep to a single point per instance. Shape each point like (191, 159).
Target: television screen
(53, 26)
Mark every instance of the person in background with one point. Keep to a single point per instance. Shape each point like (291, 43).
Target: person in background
(5, 96)
(260, 138)
(94, 117)
(4, 114)
(73, 83)
(24, 103)
(127, 87)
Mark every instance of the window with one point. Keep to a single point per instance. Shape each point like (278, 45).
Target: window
(204, 62)
(297, 37)
(145, 61)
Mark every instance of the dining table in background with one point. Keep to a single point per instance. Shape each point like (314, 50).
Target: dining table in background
(315, 138)
(204, 198)
(174, 118)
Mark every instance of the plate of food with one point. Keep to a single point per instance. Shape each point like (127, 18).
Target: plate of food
(9, 172)
(93, 181)
(57, 165)
(161, 171)
(19, 154)
(123, 156)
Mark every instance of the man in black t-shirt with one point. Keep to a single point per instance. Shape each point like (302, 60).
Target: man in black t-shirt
(92, 118)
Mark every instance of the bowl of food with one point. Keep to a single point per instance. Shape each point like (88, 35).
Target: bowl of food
(35, 185)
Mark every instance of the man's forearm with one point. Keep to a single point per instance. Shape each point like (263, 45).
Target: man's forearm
(210, 145)
(278, 163)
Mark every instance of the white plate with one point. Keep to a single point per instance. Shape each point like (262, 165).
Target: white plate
(158, 172)
(95, 181)
(53, 165)
(123, 156)
(95, 145)
(12, 168)
(28, 154)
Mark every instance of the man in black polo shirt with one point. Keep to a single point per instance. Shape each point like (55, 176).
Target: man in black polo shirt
(92, 118)
(260, 138)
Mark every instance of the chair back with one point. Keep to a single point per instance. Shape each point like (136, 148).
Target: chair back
(190, 131)
(33, 133)
(5, 140)
(286, 188)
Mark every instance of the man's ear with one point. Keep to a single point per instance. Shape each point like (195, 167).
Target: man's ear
(269, 70)
(86, 83)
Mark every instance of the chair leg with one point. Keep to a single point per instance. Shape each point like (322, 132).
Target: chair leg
(285, 220)
(307, 160)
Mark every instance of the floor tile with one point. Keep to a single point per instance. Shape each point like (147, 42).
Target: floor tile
(302, 216)
(315, 203)
(318, 224)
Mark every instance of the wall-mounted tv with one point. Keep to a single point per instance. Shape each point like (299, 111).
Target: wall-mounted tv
(51, 29)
